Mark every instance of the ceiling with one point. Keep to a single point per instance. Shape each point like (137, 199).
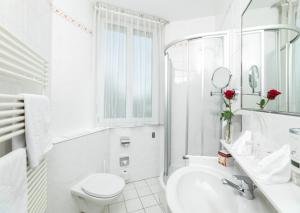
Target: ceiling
(173, 10)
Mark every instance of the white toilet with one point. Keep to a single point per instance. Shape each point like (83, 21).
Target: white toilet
(96, 191)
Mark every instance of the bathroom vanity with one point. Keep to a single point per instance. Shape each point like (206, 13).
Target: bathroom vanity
(199, 187)
(284, 197)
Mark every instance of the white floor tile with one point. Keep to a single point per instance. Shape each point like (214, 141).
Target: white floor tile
(155, 188)
(148, 201)
(130, 194)
(157, 198)
(117, 208)
(133, 205)
(139, 211)
(152, 181)
(118, 200)
(143, 191)
(141, 183)
(129, 186)
(153, 209)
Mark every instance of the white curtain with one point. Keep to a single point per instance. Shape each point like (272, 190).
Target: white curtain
(129, 61)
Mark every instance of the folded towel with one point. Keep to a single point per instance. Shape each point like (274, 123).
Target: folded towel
(37, 122)
(13, 182)
(275, 168)
(244, 145)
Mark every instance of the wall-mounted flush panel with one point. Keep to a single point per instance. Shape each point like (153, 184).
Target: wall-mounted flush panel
(125, 141)
(124, 161)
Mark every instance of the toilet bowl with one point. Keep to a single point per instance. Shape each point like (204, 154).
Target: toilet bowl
(96, 191)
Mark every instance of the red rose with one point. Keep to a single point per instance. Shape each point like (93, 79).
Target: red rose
(272, 94)
(229, 94)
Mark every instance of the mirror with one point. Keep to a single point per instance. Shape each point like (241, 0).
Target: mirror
(271, 55)
(253, 78)
(221, 78)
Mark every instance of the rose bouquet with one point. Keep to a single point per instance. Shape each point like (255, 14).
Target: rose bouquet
(272, 94)
(227, 114)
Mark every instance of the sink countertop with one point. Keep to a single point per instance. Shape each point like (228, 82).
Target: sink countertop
(200, 163)
(284, 197)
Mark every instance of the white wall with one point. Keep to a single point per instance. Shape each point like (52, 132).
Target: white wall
(71, 161)
(30, 21)
(72, 79)
(73, 104)
(143, 151)
(180, 29)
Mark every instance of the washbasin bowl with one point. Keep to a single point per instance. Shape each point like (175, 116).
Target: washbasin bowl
(199, 189)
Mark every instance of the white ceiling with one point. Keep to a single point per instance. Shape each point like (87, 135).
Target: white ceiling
(173, 10)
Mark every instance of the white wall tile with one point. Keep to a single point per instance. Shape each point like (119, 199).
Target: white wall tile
(68, 163)
(143, 152)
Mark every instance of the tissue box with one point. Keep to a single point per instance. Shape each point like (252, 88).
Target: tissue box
(225, 158)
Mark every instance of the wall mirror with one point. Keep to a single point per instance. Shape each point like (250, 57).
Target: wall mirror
(271, 55)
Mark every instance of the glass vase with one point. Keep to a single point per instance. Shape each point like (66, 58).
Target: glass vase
(228, 133)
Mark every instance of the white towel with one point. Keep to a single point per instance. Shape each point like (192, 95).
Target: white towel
(244, 145)
(13, 182)
(37, 123)
(276, 167)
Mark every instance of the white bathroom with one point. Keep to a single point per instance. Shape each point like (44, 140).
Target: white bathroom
(139, 106)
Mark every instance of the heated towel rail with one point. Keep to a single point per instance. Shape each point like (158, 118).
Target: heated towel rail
(12, 123)
(19, 61)
(12, 117)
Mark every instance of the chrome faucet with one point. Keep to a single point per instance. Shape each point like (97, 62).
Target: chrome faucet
(245, 188)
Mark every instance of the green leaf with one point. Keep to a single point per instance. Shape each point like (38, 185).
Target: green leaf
(262, 103)
(226, 115)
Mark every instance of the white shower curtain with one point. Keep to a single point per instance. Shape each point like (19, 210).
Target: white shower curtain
(129, 60)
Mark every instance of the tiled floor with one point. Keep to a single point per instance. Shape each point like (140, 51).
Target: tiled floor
(139, 197)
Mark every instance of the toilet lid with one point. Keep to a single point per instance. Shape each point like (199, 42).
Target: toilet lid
(103, 185)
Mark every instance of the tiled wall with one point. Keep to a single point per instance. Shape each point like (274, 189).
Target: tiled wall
(143, 151)
(71, 161)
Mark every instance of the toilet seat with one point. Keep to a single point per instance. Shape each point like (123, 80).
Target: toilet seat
(103, 185)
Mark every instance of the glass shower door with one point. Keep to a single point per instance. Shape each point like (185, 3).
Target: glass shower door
(192, 127)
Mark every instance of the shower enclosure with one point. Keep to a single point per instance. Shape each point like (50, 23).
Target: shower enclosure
(192, 122)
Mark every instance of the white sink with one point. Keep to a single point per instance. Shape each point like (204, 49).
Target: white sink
(199, 189)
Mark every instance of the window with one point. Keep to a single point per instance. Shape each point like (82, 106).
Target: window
(128, 60)
(115, 91)
(130, 93)
(142, 74)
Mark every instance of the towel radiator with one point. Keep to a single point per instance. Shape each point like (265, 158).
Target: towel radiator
(20, 62)
(37, 188)
(12, 123)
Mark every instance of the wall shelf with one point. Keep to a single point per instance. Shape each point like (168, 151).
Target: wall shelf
(284, 197)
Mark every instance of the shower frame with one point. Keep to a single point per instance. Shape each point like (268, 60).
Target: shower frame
(168, 94)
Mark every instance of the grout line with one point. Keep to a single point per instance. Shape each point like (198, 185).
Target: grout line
(139, 197)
